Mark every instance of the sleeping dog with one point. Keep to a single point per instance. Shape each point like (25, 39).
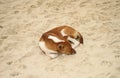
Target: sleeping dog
(60, 40)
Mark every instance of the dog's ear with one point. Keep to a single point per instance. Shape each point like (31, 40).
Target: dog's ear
(60, 46)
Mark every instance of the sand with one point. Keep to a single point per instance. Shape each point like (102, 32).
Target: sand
(22, 22)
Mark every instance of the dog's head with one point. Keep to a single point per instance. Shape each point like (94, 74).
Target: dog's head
(65, 48)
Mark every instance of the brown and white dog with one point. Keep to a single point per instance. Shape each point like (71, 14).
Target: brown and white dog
(60, 40)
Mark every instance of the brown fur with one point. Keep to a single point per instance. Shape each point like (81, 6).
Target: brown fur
(61, 47)
(68, 30)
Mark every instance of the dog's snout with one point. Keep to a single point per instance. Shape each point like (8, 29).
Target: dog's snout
(73, 52)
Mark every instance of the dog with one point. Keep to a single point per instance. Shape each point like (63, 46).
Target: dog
(60, 40)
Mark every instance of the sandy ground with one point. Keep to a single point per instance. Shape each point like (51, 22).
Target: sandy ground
(22, 22)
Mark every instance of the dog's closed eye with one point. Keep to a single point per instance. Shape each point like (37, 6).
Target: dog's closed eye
(71, 42)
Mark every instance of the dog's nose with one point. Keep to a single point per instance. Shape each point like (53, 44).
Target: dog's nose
(73, 52)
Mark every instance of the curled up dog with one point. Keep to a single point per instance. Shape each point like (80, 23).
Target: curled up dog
(60, 40)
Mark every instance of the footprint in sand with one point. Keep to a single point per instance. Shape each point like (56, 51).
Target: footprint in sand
(14, 74)
(106, 63)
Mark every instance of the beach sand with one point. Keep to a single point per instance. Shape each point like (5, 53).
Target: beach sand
(22, 22)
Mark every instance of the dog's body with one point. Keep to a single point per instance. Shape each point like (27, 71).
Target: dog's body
(60, 40)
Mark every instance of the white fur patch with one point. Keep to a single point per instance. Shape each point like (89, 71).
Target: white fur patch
(55, 39)
(62, 32)
(47, 51)
(75, 42)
